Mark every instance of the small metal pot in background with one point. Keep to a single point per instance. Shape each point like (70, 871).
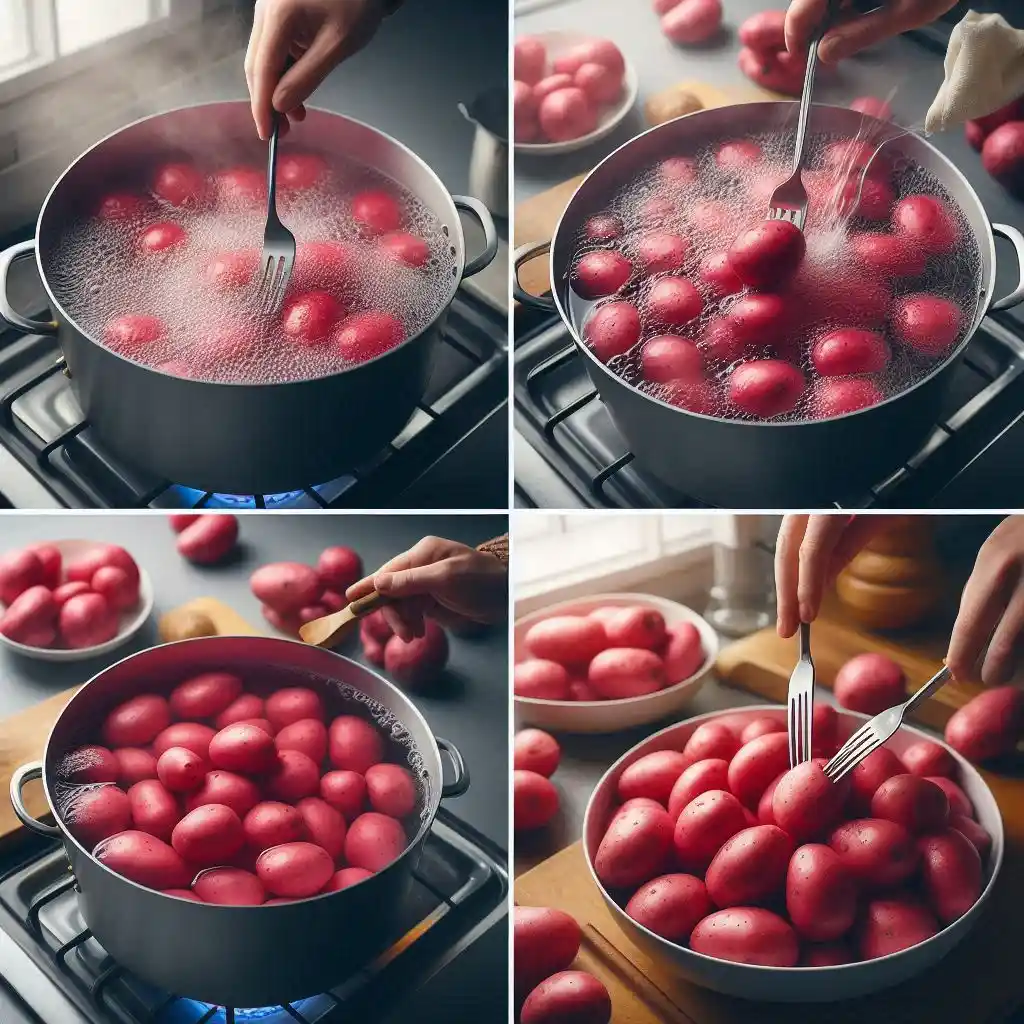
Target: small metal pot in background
(488, 163)
(238, 956)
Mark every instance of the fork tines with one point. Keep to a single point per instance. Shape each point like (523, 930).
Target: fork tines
(277, 272)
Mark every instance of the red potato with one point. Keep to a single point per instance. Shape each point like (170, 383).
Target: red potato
(332, 601)
(192, 735)
(52, 561)
(208, 836)
(183, 894)
(544, 942)
(206, 696)
(760, 319)
(245, 749)
(376, 212)
(926, 758)
(145, 859)
(635, 847)
(529, 59)
(574, 996)
(308, 319)
(292, 704)
(974, 134)
(622, 672)
(66, 591)
(566, 114)
(869, 683)
(821, 896)
(636, 627)
(365, 336)
(878, 766)
(738, 154)
(928, 222)
(548, 85)
(767, 254)
(806, 802)
(580, 690)
(120, 206)
(272, 823)
(670, 906)
(163, 237)
(777, 71)
(684, 653)
(133, 765)
(345, 878)
(878, 853)
(760, 727)
(181, 770)
(701, 397)
(209, 540)
(652, 776)
(241, 187)
(1002, 154)
(418, 662)
(764, 32)
(838, 396)
(755, 765)
(662, 252)
(602, 85)
(894, 923)
(540, 679)
(155, 808)
(674, 302)
(116, 588)
(228, 271)
(704, 825)
(308, 735)
(765, 810)
(344, 791)
(293, 777)
(326, 264)
(690, 22)
(827, 954)
(915, 803)
(825, 730)
(180, 184)
(243, 707)
(959, 802)
(711, 739)
(591, 51)
(132, 333)
(972, 831)
(927, 323)
(137, 722)
(872, 106)
(1012, 111)
(524, 112)
(750, 867)
(354, 744)
(534, 750)
(339, 567)
(234, 791)
(231, 887)
(612, 329)
(30, 618)
(534, 800)
(19, 571)
(391, 790)
(87, 620)
(603, 227)
(950, 873)
(766, 387)
(259, 723)
(871, 199)
(892, 255)
(324, 825)
(657, 209)
(93, 813)
(301, 170)
(373, 841)
(717, 273)
(567, 639)
(849, 351)
(747, 935)
(989, 725)
(294, 870)
(90, 763)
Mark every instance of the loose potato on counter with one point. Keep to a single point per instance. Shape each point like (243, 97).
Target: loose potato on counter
(185, 624)
(669, 104)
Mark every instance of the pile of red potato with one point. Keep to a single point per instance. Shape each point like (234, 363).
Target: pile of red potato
(612, 653)
(222, 794)
(999, 137)
(535, 757)
(561, 100)
(73, 606)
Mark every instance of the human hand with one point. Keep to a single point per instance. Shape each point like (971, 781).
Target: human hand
(318, 34)
(852, 31)
(992, 606)
(442, 579)
(810, 553)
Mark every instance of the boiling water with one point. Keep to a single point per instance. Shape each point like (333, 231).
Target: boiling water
(740, 198)
(99, 273)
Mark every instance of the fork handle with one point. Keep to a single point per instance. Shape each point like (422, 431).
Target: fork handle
(805, 640)
(805, 97)
(934, 684)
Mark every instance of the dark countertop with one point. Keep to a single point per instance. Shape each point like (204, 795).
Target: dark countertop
(470, 708)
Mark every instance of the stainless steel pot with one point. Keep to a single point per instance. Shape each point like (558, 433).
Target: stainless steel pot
(242, 438)
(742, 464)
(488, 163)
(238, 956)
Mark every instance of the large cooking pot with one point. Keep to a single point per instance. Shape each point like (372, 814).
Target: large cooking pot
(743, 464)
(229, 437)
(238, 956)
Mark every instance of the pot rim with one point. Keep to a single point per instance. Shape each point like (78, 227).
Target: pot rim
(986, 289)
(61, 316)
(67, 837)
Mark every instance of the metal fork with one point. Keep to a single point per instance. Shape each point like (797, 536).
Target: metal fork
(800, 702)
(789, 200)
(278, 241)
(871, 735)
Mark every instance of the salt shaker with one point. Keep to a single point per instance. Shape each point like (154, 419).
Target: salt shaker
(742, 598)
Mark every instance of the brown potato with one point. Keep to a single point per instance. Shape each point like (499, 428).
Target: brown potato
(667, 105)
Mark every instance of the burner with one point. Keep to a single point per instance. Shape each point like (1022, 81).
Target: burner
(459, 893)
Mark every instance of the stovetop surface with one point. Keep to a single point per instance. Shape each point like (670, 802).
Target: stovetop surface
(453, 940)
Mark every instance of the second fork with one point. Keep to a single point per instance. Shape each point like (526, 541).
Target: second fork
(800, 702)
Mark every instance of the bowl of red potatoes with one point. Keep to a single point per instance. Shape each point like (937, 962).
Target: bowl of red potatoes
(609, 662)
(67, 600)
(775, 884)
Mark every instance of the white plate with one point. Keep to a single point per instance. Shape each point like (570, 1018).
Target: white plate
(131, 621)
(609, 118)
(605, 716)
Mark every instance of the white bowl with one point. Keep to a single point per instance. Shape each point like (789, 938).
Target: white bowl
(604, 716)
(609, 118)
(131, 621)
(794, 984)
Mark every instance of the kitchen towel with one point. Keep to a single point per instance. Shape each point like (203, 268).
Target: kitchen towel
(984, 71)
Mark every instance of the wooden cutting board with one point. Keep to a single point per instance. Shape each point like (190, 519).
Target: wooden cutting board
(536, 217)
(23, 736)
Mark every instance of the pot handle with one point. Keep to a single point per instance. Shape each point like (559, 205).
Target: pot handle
(29, 773)
(460, 783)
(7, 311)
(1017, 239)
(520, 257)
(483, 216)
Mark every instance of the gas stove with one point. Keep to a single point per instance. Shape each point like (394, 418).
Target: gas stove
(450, 454)
(53, 970)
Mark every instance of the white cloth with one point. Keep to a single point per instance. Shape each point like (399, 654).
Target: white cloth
(984, 71)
